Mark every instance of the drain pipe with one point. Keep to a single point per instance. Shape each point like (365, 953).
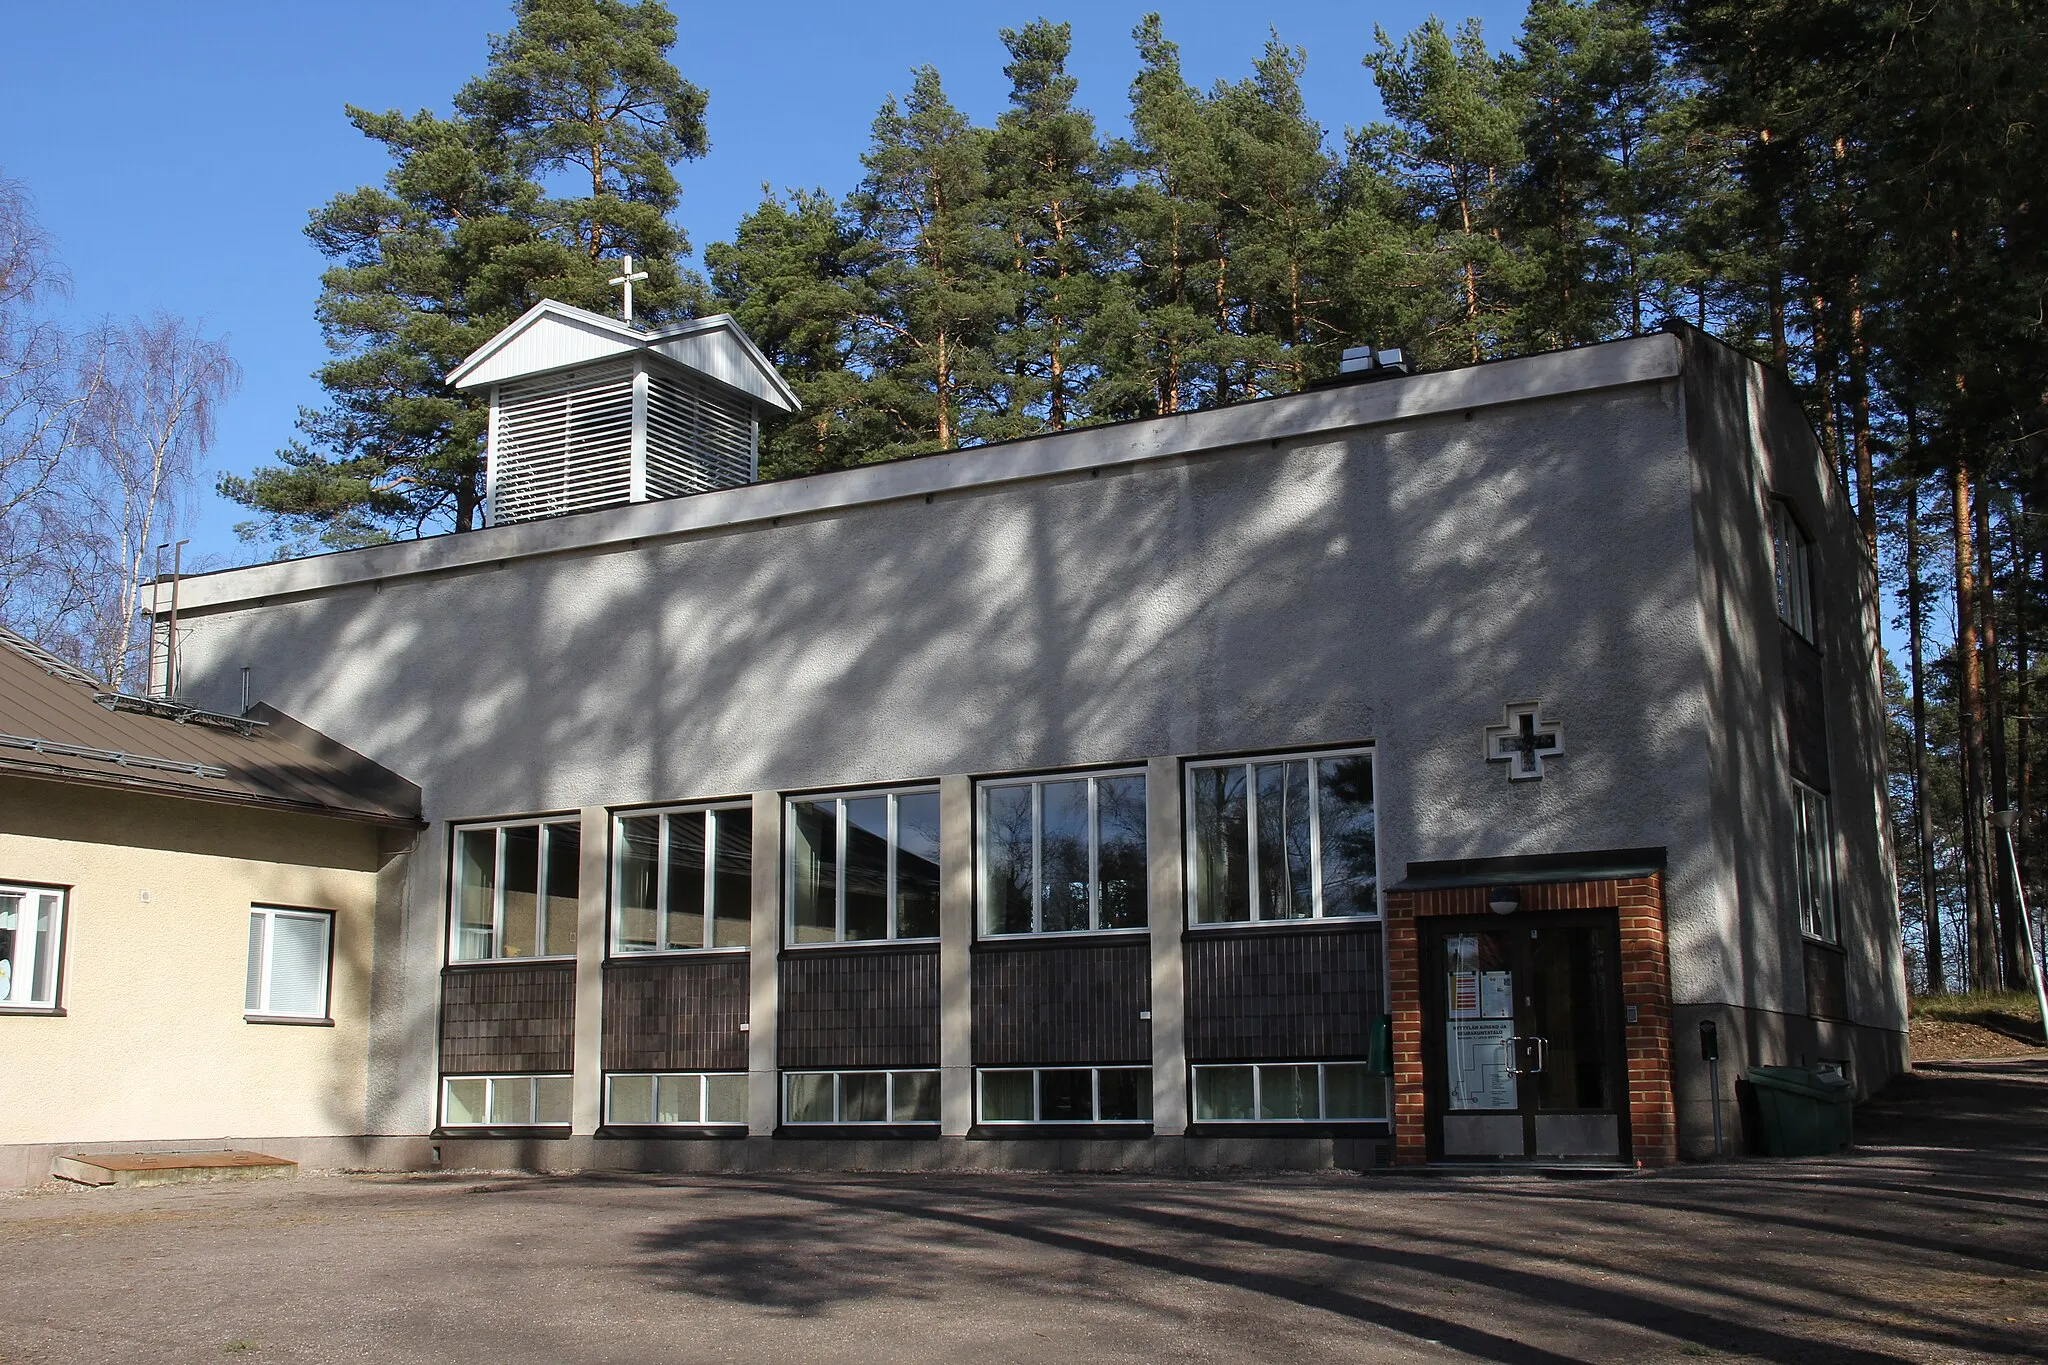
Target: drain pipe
(2004, 820)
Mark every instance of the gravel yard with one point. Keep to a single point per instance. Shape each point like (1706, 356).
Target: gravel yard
(1929, 1244)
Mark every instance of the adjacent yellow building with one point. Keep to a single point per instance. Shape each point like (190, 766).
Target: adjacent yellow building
(187, 906)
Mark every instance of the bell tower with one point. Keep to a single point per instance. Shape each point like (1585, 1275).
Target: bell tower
(588, 411)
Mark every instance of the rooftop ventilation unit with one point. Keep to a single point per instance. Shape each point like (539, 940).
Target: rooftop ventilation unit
(590, 412)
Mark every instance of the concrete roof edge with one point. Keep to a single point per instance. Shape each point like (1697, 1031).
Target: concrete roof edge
(1552, 374)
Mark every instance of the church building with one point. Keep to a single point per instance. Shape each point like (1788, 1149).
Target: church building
(1403, 771)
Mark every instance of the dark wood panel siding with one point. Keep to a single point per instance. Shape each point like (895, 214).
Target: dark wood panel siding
(1827, 981)
(1061, 1004)
(676, 1014)
(1806, 719)
(855, 1009)
(1307, 993)
(509, 1019)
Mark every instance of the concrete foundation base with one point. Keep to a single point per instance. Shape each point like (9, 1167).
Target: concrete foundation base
(30, 1164)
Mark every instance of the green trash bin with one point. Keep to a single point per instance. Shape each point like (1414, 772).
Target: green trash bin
(1804, 1113)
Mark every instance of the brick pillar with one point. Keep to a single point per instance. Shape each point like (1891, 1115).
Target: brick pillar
(1404, 1003)
(1646, 989)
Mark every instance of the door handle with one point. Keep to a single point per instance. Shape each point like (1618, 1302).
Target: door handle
(1542, 1054)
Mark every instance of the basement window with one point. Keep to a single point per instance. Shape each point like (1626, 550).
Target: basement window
(31, 946)
(676, 1099)
(505, 1101)
(1290, 1092)
(818, 1098)
(683, 880)
(516, 893)
(1074, 1094)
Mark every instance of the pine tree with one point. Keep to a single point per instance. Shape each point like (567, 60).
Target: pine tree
(790, 276)
(428, 268)
(460, 240)
(1049, 187)
(937, 289)
(1154, 321)
(1454, 135)
(584, 90)
(1277, 198)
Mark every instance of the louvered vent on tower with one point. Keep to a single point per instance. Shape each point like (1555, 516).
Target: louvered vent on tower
(698, 438)
(590, 412)
(563, 443)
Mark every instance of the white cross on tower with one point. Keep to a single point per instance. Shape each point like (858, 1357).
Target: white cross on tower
(626, 278)
(1523, 741)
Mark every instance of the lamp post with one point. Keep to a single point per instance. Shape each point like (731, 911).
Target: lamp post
(2004, 819)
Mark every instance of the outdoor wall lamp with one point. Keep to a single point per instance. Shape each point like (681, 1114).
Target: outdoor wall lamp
(1504, 900)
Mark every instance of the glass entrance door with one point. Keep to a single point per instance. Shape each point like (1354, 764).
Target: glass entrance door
(1524, 1038)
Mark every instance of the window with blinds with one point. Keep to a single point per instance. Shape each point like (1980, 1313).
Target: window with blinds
(698, 438)
(288, 960)
(563, 444)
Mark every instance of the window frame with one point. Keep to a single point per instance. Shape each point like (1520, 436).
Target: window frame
(615, 882)
(1191, 851)
(1793, 586)
(1820, 916)
(270, 1016)
(542, 823)
(1257, 1068)
(1037, 1119)
(491, 1080)
(838, 1096)
(789, 845)
(984, 900)
(53, 1004)
(703, 1079)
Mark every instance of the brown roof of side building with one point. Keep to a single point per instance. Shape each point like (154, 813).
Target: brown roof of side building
(57, 722)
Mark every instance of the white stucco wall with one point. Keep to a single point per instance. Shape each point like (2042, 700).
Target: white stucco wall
(1393, 564)
(152, 1044)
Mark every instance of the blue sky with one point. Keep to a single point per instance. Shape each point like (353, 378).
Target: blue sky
(173, 151)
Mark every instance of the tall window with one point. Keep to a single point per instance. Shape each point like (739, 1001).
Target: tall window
(1289, 838)
(1792, 565)
(31, 945)
(288, 957)
(516, 890)
(684, 880)
(1063, 855)
(864, 867)
(1816, 861)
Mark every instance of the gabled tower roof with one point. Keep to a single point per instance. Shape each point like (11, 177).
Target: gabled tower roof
(553, 336)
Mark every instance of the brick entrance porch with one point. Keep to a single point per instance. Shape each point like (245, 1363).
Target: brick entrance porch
(1635, 893)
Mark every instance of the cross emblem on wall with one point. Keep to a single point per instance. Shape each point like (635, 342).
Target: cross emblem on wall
(1522, 740)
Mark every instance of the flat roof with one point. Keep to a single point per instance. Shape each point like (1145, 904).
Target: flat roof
(1607, 365)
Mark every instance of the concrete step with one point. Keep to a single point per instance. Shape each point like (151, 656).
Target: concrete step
(168, 1168)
